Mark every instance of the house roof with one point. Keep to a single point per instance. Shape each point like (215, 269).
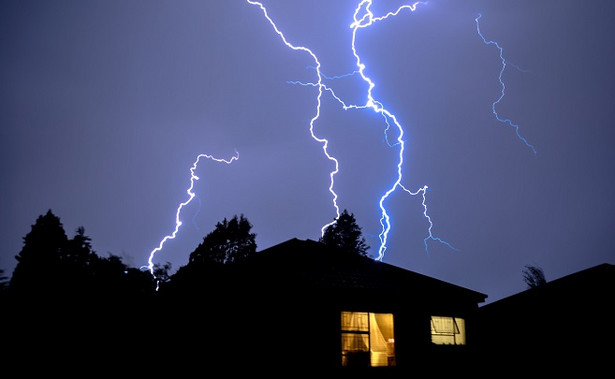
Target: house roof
(312, 264)
(592, 284)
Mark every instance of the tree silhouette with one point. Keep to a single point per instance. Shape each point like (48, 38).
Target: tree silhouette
(111, 278)
(161, 272)
(533, 276)
(210, 264)
(4, 281)
(50, 263)
(78, 251)
(39, 259)
(61, 290)
(229, 242)
(345, 235)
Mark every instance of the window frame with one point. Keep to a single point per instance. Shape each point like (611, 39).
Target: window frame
(365, 331)
(457, 335)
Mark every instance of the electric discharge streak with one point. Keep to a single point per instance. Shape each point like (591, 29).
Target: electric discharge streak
(191, 195)
(363, 18)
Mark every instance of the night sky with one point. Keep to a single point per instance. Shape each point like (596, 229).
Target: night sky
(105, 105)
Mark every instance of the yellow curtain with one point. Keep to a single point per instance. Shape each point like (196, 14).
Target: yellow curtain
(382, 342)
(368, 333)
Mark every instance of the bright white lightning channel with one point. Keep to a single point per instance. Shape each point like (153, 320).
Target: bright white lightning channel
(191, 195)
(319, 84)
(363, 17)
(365, 20)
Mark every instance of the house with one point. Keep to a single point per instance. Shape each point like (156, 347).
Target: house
(563, 326)
(300, 304)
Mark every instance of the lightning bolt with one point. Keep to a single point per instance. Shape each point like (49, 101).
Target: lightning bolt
(363, 18)
(320, 86)
(191, 196)
(366, 20)
(502, 85)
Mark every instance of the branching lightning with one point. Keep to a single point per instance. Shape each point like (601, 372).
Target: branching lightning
(367, 20)
(320, 86)
(503, 86)
(191, 196)
(363, 18)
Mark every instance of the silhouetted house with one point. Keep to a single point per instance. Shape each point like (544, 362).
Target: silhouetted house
(300, 304)
(563, 326)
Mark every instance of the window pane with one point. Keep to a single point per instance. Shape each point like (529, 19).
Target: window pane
(442, 325)
(382, 341)
(355, 349)
(448, 330)
(355, 342)
(355, 321)
(367, 339)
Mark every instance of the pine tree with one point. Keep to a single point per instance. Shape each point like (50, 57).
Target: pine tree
(39, 259)
(345, 235)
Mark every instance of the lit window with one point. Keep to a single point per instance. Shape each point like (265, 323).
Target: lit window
(448, 330)
(367, 339)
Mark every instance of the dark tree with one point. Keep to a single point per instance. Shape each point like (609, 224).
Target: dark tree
(39, 259)
(50, 263)
(210, 277)
(345, 235)
(112, 278)
(78, 251)
(77, 259)
(4, 281)
(229, 242)
(533, 276)
(161, 272)
(61, 290)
